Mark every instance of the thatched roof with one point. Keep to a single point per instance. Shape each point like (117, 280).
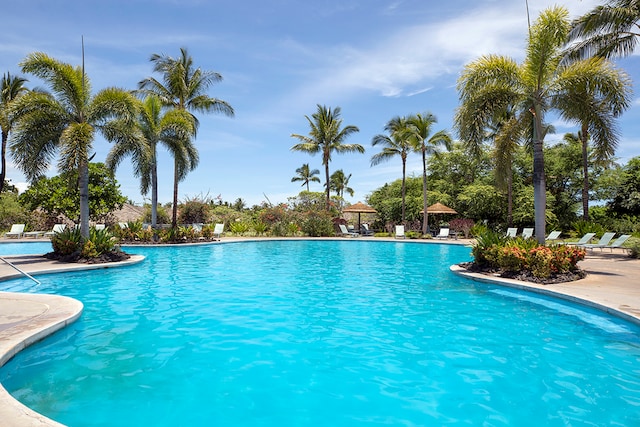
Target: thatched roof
(129, 213)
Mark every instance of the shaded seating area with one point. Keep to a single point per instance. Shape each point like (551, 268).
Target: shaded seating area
(346, 233)
(443, 234)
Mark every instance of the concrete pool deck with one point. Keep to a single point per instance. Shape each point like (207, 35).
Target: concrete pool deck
(612, 284)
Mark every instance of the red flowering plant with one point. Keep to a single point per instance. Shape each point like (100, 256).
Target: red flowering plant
(512, 258)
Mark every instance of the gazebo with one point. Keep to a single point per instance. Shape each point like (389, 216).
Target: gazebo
(359, 208)
(439, 208)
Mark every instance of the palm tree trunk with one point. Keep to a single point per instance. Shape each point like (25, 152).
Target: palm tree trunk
(83, 184)
(174, 213)
(404, 169)
(154, 192)
(539, 184)
(510, 198)
(425, 223)
(585, 174)
(326, 173)
(3, 171)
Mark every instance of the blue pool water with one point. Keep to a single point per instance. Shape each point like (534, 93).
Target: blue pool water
(24, 248)
(320, 333)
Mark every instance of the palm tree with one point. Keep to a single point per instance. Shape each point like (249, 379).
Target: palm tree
(490, 84)
(326, 136)
(12, 87)
(169, 129)
(339, 183)
(609, 30)
(397, 143)
(426, 144)
(596, 93)
(66, 121)
(184, 87)
(306, 175)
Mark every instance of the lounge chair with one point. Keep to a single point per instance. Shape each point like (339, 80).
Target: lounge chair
(218, 229)
(619, 242)
(100, 226)
(512, 232)
(583, 240)
(553, 236)
(16, 231)
(197, 227)
(400, 232)
(57, 228)
(527, 233)
(444, 234)
(364, 230)
(602, 243)
(345, 232)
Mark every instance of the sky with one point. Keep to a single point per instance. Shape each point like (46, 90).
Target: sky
(375, 59)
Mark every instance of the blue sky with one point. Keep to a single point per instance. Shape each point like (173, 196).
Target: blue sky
(375, 59)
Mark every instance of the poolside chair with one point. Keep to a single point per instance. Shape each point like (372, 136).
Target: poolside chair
(553, 236)
(197, 227)
(100, 226)
(583, 240)
(512, 232)
(218, 229)
(527, 233)
(364, 230)
(344, 232)
(444, 234)
(16, 231)
(400, 232)
(619, 242)
(57, 228)
(603, 242)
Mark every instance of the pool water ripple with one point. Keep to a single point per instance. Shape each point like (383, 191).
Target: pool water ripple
(343, 333)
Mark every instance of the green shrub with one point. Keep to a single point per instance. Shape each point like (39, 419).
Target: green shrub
(317, 224)
(239, 227)
(102, 240)
(260, 227)
(582, 227)
(67, 241)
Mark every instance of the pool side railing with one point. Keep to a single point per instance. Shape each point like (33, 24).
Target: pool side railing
(24, 273)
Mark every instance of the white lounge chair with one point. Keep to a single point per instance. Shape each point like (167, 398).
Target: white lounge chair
(218, 229)
(583, 240)
(512, 232)
(619, 242)
(602, 243)
(100, 226)
(553, 236)
(57, 228)
(443, 234)
(16, 231)
(400, 232)
(345, 232)
(527, 233)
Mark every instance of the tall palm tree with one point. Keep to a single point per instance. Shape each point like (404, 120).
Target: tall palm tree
(65, 121)
(339, 183)
(609, 30)
(327, 136)
(169, 128)
(490, 84)
(11, 88)
(184, 87)
(426, 144)
(397, 143)
(596, 94)
(306, 175)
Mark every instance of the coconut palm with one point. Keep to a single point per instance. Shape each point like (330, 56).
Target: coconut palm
(65, 121)
(609, 30)
(339, 183)
(306, 175)
(420, 127)
(397, 143)
(490, 84)
(597, 92)
(327, 136)
(169, 128)
(11, 88)
(184, 87)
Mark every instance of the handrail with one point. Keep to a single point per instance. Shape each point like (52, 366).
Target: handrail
(20, 271)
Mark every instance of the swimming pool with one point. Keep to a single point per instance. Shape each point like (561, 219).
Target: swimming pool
(25, 248)
(308, 333)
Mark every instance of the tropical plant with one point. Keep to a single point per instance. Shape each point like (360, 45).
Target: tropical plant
(169, 128)
(326, 136)
(339, 182)
(423, 142)
(306, 175)
(490, 84)
(11, 88)
(609, 30)
(183, 87)
(66, 121)
(397, 143)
